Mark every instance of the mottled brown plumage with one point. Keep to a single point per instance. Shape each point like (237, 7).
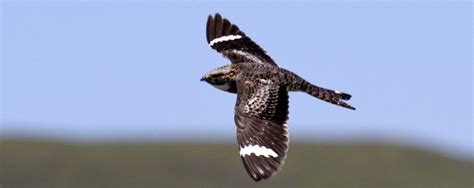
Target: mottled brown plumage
(261, 110)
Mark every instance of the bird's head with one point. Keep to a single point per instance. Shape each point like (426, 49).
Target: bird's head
(221, 78)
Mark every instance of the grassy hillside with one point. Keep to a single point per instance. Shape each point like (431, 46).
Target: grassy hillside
(53, 164)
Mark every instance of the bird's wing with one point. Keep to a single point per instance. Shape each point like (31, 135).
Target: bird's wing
(261, 115)
(227, 39)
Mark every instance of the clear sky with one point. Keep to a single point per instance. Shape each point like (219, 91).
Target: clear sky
(124, 69)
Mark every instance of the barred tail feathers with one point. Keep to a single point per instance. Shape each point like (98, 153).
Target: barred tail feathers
(328, 95)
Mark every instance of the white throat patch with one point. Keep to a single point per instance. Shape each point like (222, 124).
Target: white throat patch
(224, 87)
(257, 150)
(224, 38)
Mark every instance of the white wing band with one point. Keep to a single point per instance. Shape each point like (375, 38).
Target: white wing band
(257, 150)
(224, 38)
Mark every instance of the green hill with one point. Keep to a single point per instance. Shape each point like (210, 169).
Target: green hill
(29, 163)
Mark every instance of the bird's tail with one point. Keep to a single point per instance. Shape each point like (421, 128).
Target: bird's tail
(331, 96)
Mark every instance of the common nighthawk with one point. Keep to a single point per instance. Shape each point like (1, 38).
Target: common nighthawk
(261, 110)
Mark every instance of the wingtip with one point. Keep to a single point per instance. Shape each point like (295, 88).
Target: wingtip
(217, 16)
(256, 178)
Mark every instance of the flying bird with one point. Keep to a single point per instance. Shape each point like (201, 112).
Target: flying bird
(261, 110)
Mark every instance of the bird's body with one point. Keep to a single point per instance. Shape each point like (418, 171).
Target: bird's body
(261, 110)
(248, 71)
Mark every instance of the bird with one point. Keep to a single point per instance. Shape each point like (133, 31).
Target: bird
(262, 87)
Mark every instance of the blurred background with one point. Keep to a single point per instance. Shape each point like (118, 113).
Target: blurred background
(107, 93)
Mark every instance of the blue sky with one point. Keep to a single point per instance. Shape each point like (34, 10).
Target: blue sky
(107, 70)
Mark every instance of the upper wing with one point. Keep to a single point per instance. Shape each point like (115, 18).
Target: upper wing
(227, 39)
(261, 113)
